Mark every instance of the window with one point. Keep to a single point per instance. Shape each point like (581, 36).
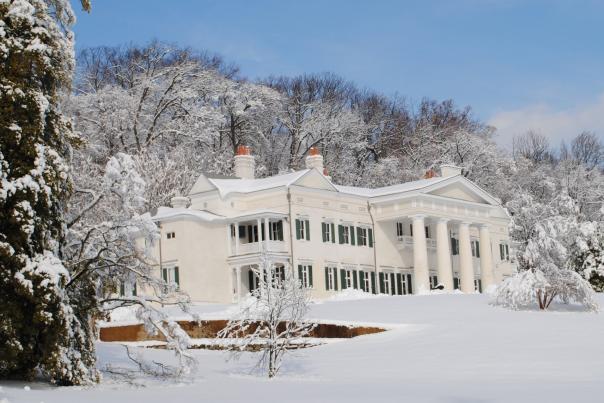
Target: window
(399, 230)
(128, 288)
(433, 281)
(346, 234)
(305, 275)
(278, 276)
(504, 251)
(302, 229)
(454, 246)
(364, 281)
(328, 231)
(427, 229)
(362, 236)
(171, 276)
(385, 283)
(171, 235)
(331, 279)
(275, 230)
(403, 282)
(456, 283)
(475, 248)
(478, 285)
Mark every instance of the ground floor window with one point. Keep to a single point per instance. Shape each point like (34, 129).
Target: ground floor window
(403, 283)
(305, 275)
(478, 285)
(364, 280)
(433, 281)
(387, 283)
(128, 288)
(331, 279)
(171, 276)
(278, 275)
(456, 283)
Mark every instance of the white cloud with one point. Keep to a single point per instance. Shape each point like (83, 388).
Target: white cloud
(557, 125)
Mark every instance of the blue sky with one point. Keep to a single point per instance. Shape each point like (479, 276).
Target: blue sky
(519, 64)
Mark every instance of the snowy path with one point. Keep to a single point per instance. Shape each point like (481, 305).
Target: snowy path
(452, 348)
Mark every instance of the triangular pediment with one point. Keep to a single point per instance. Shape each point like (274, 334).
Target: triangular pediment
(462, 189)
(202, 185)
(314, 179)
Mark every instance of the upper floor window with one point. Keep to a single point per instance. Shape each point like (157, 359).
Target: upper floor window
(278, 275)
(399, 230)
(346, 234)
(504, 251)
(171, 235)
(328, 231)
(302, 229)
(454, 246)
(275, 230)
(475, 248)
(362, 236)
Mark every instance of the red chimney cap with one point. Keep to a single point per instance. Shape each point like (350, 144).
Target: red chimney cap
(314, 151)
(430, 173)
(244, 150)
(325, 172)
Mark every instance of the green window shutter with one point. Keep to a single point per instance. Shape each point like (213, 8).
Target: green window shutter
(370, 237)
(250, 279)
(411, 229)
(300, 276)
(164, 274)
(335, 279)
(323, 225)
(477, 248)
(399, 283)
(359, 232)
(352, 241)
(382, 285)
(298, 236)
(501, 251)
(355, 284)
(122, 289)
(409, 284)
(392, 290)
(333, 233)
(134, 290)
(307, 230)
(326, 278)
(362, 275)
(176, 277)
(309, 276)
(343, 278)
(507, 251)
(280, 230)
(341, 233)
(374, 290)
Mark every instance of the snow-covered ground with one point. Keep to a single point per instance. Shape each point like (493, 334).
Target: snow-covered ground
(442, 348)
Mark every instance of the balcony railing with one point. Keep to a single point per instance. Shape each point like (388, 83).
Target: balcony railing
(255, 247)
(407, 241)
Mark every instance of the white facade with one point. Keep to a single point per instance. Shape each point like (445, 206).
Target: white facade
(396, 240)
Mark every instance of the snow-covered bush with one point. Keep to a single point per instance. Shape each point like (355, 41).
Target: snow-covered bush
(273, 319)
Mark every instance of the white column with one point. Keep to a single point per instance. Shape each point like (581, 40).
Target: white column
(420, 256)
(238, 283)
(236, 238)
(486, 257)
(466, 270)
(443, 254)
(259, 224)
(265, 233)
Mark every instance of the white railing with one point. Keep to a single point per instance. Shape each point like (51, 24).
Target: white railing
(255, 247)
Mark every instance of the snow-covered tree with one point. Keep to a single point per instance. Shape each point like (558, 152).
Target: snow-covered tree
(272, 318)
(44, 326)
(587, 254)
(545, 274)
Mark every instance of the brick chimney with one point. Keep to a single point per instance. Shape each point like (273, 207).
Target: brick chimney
(244, 163)
(315, 160)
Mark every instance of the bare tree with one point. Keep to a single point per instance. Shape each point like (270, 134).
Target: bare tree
(533, 146)
(273, 319)
(587, 149)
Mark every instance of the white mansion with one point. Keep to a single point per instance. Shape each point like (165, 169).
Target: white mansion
(396, 240)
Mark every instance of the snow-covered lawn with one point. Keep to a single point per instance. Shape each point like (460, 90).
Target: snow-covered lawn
(442, 348)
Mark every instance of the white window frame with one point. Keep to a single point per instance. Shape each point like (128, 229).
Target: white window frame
(367, 281)
(327, 233)
(171, 235)
(362, 240)
(305, 277)
(276, 274)
(346, 234)
(332, 272)
(400, 232)
(387, 285)
(303, 229)
(505, 250)
(273, 230)
(349, 278)
(170, 275)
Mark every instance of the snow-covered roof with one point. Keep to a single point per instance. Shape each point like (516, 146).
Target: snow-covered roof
(388, 190)
(164, 213)
(227, 186)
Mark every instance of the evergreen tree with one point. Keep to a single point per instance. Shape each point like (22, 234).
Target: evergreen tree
(44, 326)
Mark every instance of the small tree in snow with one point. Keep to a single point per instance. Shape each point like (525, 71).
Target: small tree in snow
(273, 319)
(544, 262)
